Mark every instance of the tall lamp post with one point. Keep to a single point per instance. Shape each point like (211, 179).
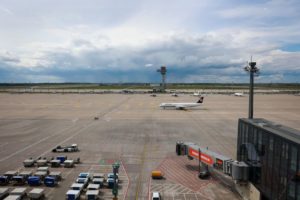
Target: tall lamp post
(253, 70)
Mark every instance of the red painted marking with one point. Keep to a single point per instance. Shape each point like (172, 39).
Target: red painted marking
(204, 158)
(149, 187)
(127, 178)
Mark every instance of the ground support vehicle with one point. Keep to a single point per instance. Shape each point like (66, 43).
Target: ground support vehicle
(29, 162)
(110, 182)
(10, 174)
(83, 181)
(3, 192)
(19, 191)
(111, 175)
(4, 180)
(155, 196)
(26, 174)
(55, 163)
(72, 148)
(18, 180)
(40, 174)
(36, 193)
(99, 181)
(98, 175)
(55, 174)
(34, 180)
(92, 186)
(73, 194)
(92, 194)
(84, 175)
(77, 186)
(41, 162)
(61, 159)
(13, 197)
(156, 174)
(69, 163)
(50, 181)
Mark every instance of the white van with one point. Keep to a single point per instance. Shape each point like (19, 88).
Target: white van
(155, 196)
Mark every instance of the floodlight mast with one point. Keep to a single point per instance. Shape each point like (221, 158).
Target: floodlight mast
(253, 70)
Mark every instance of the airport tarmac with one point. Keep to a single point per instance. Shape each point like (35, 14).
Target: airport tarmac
(132, 129)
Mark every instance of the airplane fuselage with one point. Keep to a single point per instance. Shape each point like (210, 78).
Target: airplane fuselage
(238, 94)
(179, 105)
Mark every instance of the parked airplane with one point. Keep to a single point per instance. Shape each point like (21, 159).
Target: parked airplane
(196, 94)
(181, 106)
(238, 94)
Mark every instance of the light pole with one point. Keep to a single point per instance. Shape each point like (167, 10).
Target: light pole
(253, 70)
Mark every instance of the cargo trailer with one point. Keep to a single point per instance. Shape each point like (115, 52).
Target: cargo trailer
(36, 193)
(73, 194)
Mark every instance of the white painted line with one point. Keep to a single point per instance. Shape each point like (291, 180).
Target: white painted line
(73, 135)
(29, 146)
(2, 145)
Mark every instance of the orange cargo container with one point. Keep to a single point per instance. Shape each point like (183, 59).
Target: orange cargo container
(157, 174)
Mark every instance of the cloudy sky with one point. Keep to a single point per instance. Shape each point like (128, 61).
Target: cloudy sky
(126, 41)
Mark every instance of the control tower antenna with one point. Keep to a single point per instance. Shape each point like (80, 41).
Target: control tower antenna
(253, 70)
(163, 72)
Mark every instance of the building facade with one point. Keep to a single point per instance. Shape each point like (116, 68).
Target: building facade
(273, 153)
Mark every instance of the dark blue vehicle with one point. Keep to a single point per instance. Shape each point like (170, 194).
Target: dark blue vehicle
(4, 180)
(33, 180)
(50, 181)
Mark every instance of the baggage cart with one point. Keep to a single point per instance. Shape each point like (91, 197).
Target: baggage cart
(73, 194)
(4, 192)
(56, 174)
(36, 193)
(92, 194)
(28, 162)
(69, 163)
(33, 180)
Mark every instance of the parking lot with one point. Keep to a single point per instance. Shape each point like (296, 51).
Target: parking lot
(133, 130)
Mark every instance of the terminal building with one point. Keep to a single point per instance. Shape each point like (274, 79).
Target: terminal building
(273, 153)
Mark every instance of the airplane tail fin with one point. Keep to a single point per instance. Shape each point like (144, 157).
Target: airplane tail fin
(200, 100)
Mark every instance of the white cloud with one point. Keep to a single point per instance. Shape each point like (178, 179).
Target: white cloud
(210, 36)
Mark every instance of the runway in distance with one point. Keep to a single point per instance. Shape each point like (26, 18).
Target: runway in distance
(182, 106)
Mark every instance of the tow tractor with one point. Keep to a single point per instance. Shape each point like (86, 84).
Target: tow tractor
(238, 171)
(72, 148)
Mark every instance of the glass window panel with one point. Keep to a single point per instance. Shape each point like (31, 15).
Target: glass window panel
(293, 165)
(292, 189)
(271, 143)
(298, 191)
(255, 137)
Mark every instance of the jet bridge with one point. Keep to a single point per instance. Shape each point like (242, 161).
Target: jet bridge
(237, 170)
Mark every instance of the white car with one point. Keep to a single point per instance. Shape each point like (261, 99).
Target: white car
(155, 196)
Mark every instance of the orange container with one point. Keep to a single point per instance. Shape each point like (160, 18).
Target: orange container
(156, 174)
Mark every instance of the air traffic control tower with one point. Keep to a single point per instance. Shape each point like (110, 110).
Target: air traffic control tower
(272, 152)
